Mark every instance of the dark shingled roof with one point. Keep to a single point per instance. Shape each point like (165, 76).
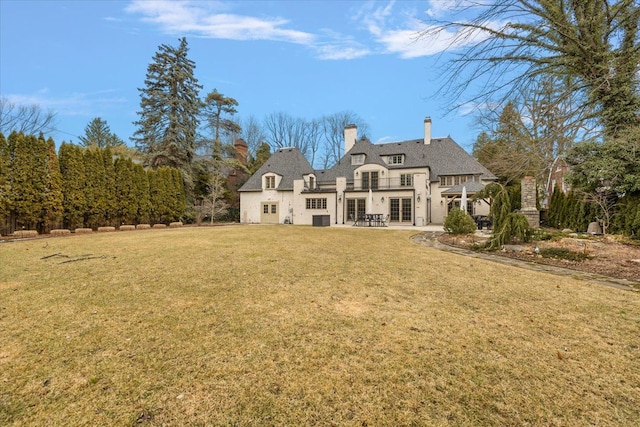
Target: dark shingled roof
(471, 186)
(443, 156)
(286, 162)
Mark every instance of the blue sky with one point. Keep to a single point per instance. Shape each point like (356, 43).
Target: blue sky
(87, 59)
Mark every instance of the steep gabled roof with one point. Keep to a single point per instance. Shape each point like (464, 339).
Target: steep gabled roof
(289, 163)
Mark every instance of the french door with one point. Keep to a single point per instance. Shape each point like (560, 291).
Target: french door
(400, 210)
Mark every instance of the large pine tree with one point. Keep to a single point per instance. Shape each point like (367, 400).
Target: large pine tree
(98, 134)
(170, 105)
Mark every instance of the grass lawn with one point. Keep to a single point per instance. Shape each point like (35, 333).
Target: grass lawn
(293, 325)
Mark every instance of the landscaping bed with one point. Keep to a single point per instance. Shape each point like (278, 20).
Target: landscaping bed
(612, 256)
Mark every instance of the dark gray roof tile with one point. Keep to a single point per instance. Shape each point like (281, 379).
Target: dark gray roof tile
(286, 162)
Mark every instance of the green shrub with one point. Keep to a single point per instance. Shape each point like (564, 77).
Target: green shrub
(459, 222)
(563, 253)
(514, 227)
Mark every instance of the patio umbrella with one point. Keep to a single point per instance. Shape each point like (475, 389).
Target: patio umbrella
(463, 199)
(370, 203)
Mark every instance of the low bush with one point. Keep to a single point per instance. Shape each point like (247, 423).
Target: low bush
(459, 222)
(563, 253)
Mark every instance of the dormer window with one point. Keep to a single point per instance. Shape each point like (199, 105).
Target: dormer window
(396, 159)
(357, 159)
(270, 182)
(312, 182)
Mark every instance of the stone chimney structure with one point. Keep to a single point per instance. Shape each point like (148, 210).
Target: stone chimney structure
(427, 130)
(528, 200)
(350, 136)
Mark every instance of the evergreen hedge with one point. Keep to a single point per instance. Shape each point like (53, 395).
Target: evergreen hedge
(80, 188)
(575, 212)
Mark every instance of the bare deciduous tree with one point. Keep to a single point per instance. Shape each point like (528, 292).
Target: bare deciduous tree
(513, 42)
(28, 119)
(333, 128)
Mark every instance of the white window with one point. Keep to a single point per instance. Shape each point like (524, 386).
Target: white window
(316, 203)
(269, 182)
(396, 159)
(406, 180)
(357, 159)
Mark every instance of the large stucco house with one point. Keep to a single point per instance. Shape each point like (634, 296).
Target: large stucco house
(413, 182)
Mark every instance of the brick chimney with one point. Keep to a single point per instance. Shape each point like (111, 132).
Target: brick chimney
(241, 150)
(350, 135)
(427, 130)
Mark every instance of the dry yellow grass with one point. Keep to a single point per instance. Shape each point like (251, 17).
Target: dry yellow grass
(283, 325)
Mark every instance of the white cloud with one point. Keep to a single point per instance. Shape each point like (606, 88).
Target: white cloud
(404, 34)
(207, 19)
(73, 104)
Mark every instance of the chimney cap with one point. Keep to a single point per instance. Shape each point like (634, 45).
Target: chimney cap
(427, 119)
(351, 126)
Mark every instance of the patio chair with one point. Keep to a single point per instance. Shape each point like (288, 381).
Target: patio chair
(355, 221)
(385, 221)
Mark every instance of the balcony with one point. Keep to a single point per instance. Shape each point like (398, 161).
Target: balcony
(380, 184)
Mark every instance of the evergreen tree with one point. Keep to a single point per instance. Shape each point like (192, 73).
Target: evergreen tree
(141, 194)
(169, 109)
(127, 206)
(218, 114)
(53, 198)
(504, 152)
(73, 182)
(95, 188)
(262, 155)
(110, 206)
(28, 172)
(5, 158)
(98, 134)
(158, 194)
(180, 203)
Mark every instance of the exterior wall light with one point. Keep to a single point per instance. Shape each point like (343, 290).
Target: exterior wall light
(382, 199)
(418, 199)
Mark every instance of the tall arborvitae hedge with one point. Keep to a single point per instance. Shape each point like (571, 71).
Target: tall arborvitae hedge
(73, 184)
(80, 187)
(627, 218)
(29, 180)
(111, 203)
(125, 196)
(53, 197)
(141, 192)
(4, 182)
(95, 188)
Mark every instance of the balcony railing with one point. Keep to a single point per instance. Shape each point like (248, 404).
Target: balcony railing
(380, 184)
